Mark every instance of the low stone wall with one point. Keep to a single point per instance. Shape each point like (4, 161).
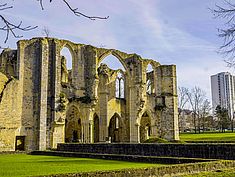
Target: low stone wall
(130, 158)
(12, 152)
(156, 171)
(208, 151)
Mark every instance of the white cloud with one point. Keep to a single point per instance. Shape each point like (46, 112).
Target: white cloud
(193, 73)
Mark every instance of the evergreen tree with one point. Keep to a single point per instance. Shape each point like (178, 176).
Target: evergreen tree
(223, 118)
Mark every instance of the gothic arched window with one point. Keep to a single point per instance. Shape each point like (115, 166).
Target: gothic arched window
(149, 79)
(120, 86)
(149, 86)
(66, 64)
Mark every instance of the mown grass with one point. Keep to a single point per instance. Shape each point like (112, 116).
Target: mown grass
(217, 173)
(208, 136)
(19, 165)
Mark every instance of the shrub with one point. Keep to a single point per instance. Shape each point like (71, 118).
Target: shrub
(156, 140)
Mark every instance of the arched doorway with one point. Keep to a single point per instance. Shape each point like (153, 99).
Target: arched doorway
(96, 128)
(115, 129)
(73, 126)
(145, 127)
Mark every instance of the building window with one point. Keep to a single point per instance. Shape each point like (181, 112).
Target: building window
(120, 86)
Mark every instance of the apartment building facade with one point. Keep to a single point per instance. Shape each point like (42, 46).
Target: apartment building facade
(223, 91)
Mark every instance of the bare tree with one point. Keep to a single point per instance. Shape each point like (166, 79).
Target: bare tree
(12, 29)
(205, 112)
(182, 98)
(45, 31)
(196, 98)
(182, 101)
(227, 12)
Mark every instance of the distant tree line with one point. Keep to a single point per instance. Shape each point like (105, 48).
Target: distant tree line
(222, 118)
(203, 117)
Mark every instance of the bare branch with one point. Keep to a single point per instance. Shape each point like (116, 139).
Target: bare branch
(182, 98)
(46, 31)
(75, 11)
(5, 6)
(41, 4)
(196, 98)
(227, 12)
(11, 28)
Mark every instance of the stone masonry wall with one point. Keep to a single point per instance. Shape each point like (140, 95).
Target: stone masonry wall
(208, 151)
(10, 113)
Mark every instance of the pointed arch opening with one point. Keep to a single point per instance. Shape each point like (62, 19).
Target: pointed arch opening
(114, 130)
(113, 63)
(73, 125)
(149, 68)
(96, 128)
(145, 127)
(66, 65)
(149, 79)
(114, 73)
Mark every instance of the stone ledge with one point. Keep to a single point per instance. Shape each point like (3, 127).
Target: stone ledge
(205, 151)
(122, 157)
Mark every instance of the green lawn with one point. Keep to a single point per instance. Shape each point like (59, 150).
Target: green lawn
(214, 136)
(19, 165)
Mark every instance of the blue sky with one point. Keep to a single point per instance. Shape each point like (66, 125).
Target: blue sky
(169, 31)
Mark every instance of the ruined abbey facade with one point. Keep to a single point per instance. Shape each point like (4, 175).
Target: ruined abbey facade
(43, 103)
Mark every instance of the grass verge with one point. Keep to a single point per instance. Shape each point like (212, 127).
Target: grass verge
(18, 165)
(214, 136)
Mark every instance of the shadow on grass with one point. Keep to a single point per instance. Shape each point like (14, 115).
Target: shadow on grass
(77, 161)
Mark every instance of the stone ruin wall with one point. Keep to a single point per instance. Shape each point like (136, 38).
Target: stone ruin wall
(10, 101)
(43, 104)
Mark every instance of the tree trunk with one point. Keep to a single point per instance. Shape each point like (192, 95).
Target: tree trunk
(195, 126)
(232, 125)
(199, 126)
(203, 124)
